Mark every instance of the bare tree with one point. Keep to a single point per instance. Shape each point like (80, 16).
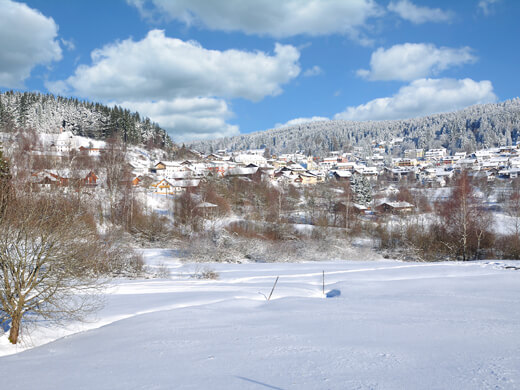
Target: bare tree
(464, 219)
(513, 208)
(348, 196)
(185, 211)
(49, 261)
(5, 183)
(113, 160)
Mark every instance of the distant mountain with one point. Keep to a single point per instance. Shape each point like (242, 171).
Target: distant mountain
(469, 129)
(51, 114)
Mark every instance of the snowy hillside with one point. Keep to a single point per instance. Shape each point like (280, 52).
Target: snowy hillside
(52, 114)
(390, 325)
(470, 129)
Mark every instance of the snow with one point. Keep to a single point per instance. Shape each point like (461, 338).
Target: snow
(388, 325)
(504, 224)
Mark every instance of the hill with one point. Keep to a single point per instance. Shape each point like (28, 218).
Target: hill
(469, 129)
(52, 114)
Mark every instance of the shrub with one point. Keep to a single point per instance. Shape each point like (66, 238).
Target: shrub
(205, 273)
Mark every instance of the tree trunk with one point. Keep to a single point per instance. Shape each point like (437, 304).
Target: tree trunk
(14, 332)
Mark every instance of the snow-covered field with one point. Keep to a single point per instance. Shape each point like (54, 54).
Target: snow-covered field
(390, 325)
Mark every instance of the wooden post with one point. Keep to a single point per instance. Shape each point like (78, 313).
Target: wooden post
(276, 281)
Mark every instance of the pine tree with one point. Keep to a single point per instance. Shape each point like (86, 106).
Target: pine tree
(362, 189)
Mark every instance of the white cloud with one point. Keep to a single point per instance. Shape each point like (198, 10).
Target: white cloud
(299, 121)
(274, 18)
(410, 61)
(418, 15)
(158, 67)
(486, 6)
(179, 84)
(27, 39)
(188, 119)
(314, 71)
(423, 97)
(69, 44)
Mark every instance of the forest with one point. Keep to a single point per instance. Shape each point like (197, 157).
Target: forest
(47, 113)
(476, 127)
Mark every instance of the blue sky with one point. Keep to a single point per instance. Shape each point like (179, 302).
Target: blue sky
(205, 68)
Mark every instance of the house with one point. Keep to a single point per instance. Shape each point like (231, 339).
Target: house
(395, 207)
(65, 142)
(90, 179)
(346, 166)
(137, 180)
(138, 168)
(165, 168)
(511, 173)
(369, 172)
(396, 174)
(241, 172)
(306, 178)
(360, 209)
(167, 187)
(435, 154)
(90, 151)
(217, 167)
(342, 175)
(414, 153)
(179, 186)
(251, 158)
(404, 162)
(163, 187)
(48, 179)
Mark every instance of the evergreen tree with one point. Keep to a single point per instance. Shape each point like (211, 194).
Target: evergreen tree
(47, 113)
(362, 189)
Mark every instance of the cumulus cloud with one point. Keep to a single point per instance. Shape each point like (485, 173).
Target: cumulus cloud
(299, 121)
(159, 67)
(410, 61)
(188, 119)
(28, 38)
(274, 18)
(418, 15)
(423, 97)
(180, 84)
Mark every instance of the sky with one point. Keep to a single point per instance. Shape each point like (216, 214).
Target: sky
(204, 69)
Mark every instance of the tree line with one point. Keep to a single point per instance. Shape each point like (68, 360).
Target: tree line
(470, 129)
(49, 113)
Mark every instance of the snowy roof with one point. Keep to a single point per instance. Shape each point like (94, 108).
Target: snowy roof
(185, 183)
(398, 205)
(343, 173)
(241, 171)
(169, 163)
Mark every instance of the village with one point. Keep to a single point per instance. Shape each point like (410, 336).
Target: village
(156, 173)
(432, 168)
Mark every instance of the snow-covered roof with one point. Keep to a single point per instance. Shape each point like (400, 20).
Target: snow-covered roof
(343, 173)
(169, 164)
(397, 205)
(185, 183)
(239, 171)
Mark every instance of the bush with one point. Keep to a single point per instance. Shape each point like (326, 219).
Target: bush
(508, 247)
(205, 273)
